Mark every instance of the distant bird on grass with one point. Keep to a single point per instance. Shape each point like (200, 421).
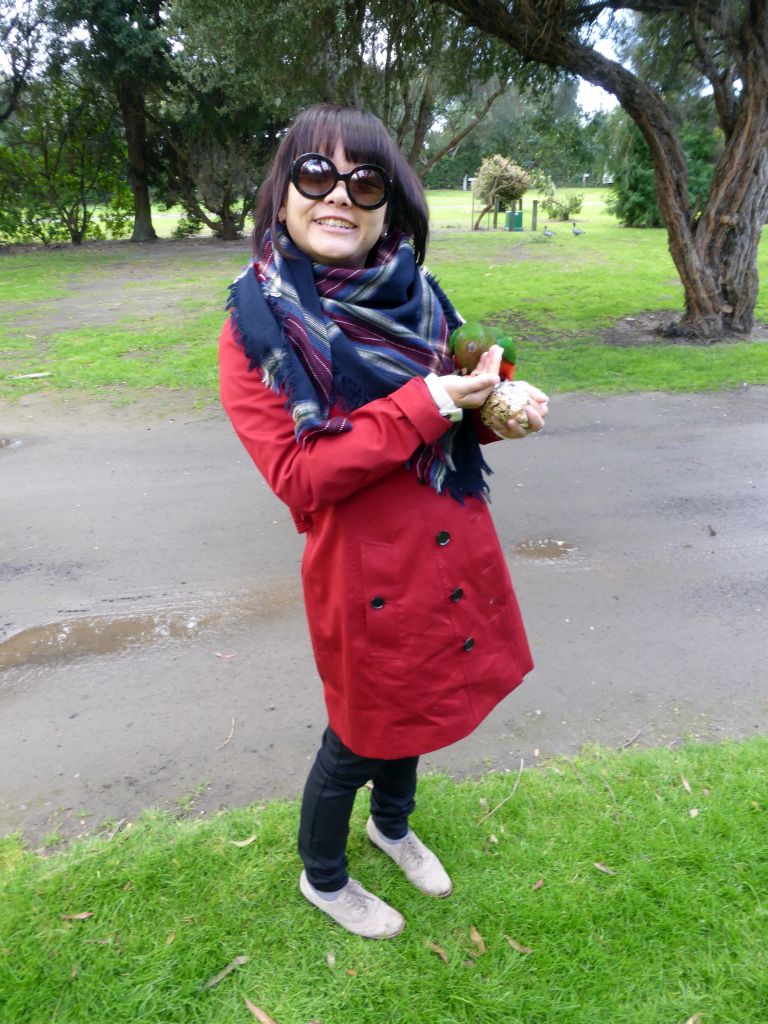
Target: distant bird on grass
(575, 230)
(547, 233)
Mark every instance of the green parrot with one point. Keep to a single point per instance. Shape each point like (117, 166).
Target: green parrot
(468, 342)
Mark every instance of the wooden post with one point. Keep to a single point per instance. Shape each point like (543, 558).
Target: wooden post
(496, 208)
(534, 214)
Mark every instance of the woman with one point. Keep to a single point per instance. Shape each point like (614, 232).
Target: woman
(336, 375)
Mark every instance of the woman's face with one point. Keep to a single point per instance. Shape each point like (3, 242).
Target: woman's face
(332, 230)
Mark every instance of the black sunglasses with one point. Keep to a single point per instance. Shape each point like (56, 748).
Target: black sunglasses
(315, 176)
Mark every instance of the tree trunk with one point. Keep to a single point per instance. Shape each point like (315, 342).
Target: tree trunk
(486, 209)
(716, 256)
(228, 230)
(135, 122)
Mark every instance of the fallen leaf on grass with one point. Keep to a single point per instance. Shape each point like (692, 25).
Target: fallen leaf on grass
(258, 1013)
(237, 962)
(331, 960)
(694, 812)
(538, 885)
(437, 949)
(352, 973)
(470, 963)
(518, 946)
(73, 972)
(171, 938)
(243, 842)
(477, 938)
(695, 1019)
(78, 917)
(483, 804)
(686, 784)
(602, 867)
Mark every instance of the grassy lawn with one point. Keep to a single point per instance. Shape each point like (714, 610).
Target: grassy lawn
(118, 317)
(617, 886)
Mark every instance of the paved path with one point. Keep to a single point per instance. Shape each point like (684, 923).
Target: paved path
(149, 598)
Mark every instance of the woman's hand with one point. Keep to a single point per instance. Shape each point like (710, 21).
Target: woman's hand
(471, 390)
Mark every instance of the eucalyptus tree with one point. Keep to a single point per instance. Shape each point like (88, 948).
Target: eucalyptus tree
(725, 44)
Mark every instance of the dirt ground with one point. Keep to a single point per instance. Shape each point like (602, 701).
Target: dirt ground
(152, 643)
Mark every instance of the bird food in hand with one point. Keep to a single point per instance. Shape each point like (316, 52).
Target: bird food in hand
(507, 402)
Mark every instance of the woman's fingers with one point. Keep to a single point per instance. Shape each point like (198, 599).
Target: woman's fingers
(471, 391)
(490, 361)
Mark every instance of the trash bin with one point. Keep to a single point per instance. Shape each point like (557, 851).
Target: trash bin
(518, 220)
(508, 220)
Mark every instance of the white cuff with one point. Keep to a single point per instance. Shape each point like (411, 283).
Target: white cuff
(442, 399)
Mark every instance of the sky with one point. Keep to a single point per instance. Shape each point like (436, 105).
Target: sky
(592, 98)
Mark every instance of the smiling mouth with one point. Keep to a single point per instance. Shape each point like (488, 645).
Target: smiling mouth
(335, 222)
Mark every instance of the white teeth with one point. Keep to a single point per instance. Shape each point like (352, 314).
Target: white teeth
(334, 223)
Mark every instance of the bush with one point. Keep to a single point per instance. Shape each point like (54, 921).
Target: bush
(187, 226)
(558, 208)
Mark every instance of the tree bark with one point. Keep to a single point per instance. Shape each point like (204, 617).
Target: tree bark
(135, 122)
(715, 257)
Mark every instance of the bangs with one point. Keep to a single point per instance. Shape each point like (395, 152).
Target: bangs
(364, 138)
(365, 141)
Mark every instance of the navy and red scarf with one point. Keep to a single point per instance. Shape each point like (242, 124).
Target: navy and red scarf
(331, 339)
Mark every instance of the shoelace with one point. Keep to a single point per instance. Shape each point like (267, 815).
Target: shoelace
(412, 851)
(357, 896)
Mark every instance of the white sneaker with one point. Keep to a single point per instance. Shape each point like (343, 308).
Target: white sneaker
(419, 864)
(357, 910)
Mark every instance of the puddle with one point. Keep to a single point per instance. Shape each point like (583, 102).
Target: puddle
(102, 635)
(545, 550)
(92, 635)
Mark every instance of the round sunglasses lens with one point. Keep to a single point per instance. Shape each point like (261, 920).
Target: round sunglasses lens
(315, 177)
(367, 187)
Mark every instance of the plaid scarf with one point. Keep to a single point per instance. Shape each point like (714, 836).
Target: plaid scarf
(332, 339)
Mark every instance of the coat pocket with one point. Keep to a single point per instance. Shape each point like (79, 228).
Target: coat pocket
(382, 597)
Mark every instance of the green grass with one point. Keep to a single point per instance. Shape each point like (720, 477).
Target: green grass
(679, 928)
(557, 296)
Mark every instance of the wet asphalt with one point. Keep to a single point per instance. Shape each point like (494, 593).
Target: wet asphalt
(153, 650)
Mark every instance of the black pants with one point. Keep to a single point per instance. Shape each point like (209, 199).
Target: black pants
(329, 795)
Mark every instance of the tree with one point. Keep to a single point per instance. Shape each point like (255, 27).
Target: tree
(542, 128)
(407, 63)
(125, 50)
(21, 27)
(726, 46)
(214, 156)
(61, 155)
(498, 179)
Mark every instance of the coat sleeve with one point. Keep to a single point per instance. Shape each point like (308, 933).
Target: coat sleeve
(330, 467)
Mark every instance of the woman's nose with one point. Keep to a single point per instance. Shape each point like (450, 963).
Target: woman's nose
(338, 194)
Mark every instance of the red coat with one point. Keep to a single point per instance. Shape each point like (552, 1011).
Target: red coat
(415, 627)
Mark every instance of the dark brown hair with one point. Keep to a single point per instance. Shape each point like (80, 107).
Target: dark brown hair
(365, 141)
